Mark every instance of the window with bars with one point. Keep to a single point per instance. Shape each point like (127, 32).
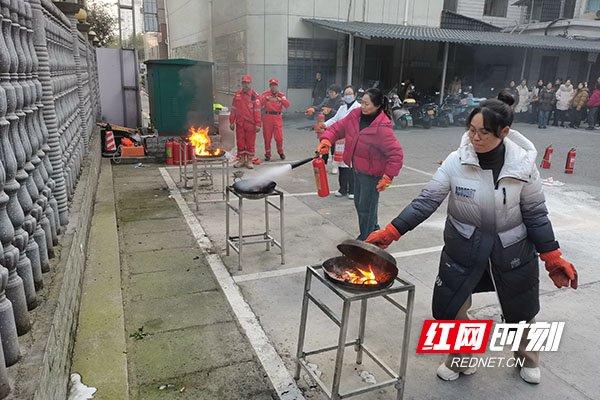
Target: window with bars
(450, 5)
(150, 7)
(306, 57)
(495, 8)
(150, 23)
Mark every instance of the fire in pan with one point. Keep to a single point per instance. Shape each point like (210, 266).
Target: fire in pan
(363, 267)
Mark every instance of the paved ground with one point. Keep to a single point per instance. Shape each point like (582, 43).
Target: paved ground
(313, 227)
(180, 338)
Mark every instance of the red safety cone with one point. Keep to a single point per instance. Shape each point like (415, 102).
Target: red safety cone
(570, 164)
(547, 155)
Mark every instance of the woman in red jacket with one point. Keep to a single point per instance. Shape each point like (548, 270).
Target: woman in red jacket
(593, 105)
(372, 150)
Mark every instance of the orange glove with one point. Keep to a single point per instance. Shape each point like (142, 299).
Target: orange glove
(309, 111)
(561, 271)
(384, 182)
(319, 128)
(326, 110)
(384, 237)
(324, 147)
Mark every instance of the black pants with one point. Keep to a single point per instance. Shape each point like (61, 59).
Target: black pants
(576, 117)
(346, 179)
(561, 116)
(366, 201)
(592, 117)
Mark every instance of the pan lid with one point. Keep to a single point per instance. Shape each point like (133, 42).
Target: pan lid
(364, 253)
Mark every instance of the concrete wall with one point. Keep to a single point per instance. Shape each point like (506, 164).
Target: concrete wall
(188, 28)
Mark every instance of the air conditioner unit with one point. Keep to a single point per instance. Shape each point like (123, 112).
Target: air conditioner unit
(598, 14)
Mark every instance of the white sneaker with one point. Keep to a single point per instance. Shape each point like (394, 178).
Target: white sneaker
(351, 196)
(338, 194)
(335, 170)
(447, 374)
(531, 375)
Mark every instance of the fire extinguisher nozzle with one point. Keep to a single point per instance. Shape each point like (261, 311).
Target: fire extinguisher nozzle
(296, 164)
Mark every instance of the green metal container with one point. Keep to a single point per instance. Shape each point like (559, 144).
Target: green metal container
(181, 95)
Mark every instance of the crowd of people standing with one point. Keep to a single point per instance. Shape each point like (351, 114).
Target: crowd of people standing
(558, 102)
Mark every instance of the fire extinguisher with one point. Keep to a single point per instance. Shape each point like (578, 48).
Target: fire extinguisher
(176, 152)
(169, 152)
(321, 176)
(570, 161)
(546, 160)
(338, 154)
(190, 151)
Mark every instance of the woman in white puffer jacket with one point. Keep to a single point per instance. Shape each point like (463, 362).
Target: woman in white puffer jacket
(564, 96)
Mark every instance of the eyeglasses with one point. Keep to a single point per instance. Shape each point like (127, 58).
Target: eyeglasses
(480, 132)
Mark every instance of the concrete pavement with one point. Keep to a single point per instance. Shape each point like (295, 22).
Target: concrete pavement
(314, 226)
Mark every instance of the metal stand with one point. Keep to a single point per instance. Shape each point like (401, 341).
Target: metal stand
(201, 175)
(238, 242)
(398, 380)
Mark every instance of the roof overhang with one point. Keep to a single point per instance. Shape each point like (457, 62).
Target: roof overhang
(371, 30)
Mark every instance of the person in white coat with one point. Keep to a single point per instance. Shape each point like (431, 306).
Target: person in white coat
(346, 174)
(564, 95)
(524, 99)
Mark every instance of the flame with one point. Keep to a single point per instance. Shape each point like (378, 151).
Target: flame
(361, 277)
(200, 139)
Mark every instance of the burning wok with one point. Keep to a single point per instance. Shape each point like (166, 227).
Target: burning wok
(254, 188)
(363, 268)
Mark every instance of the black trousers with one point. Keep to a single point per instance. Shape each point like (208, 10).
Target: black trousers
(346, 180)
(576, 117)
(561, 116)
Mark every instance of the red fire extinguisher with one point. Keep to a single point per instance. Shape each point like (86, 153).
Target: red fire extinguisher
(546, 160)
(169, 152)
(190, 151)
(570, 161)
(176, 152)
(320, 176)
(338, 154)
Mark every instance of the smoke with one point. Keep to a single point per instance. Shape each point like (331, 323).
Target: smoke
(197, 92)
(271, 173)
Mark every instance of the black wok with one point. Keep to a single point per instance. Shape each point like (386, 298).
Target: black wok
(254, 188)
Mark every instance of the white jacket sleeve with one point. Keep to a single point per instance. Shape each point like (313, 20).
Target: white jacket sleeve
(341, 113)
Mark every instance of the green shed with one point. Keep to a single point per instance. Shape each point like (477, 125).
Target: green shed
(181, 95)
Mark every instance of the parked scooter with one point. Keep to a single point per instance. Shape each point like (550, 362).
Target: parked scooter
(400, 115)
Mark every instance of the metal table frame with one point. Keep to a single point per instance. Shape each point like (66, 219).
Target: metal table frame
(206, 166)
(238, 242)
(397, 380)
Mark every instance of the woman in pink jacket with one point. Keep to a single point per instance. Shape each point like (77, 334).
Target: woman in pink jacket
(372, 150)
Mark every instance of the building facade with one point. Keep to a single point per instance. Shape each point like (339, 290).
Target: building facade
(269, 38)
(155, 29)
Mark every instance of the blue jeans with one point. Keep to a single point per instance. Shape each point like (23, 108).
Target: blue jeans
(543, 117)
(366, 201)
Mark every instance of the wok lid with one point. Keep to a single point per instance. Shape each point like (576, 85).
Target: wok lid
(366, 253)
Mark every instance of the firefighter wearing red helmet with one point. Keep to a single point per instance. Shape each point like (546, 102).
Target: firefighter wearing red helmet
(273, 102)
(245, 119)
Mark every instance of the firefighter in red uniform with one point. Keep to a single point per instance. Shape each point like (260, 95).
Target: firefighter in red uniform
(273, 101)
(245, 119)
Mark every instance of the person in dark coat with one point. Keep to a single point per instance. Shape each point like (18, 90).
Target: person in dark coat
(319, 90)
(546, 100)
(497, 224)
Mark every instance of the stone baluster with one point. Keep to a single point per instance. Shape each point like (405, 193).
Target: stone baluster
(15, 288)
(37, 233)
(8, 328)
(4, 382)
(49, 62)
(41, 176)
(20, 208)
